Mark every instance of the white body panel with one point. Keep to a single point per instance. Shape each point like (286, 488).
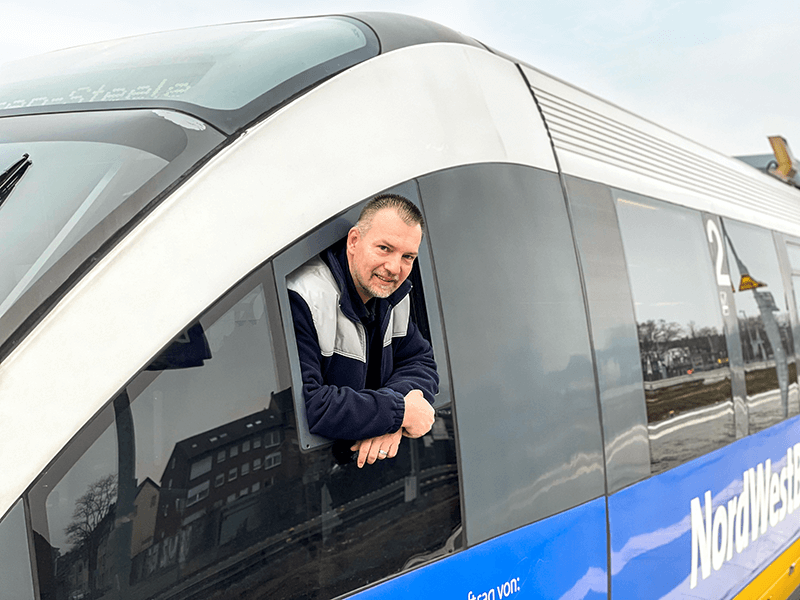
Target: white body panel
(598, 141)
(398, 116)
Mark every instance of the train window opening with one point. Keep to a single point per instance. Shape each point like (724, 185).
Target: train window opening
(422, 481)
(764, 325)
(682, 343)
(141, 497)
(423, 310)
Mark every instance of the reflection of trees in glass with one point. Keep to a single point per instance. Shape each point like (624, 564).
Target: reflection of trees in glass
(91, 523)
(91, 509)
(671, 350)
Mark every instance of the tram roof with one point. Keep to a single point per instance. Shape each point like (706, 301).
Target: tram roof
(228, 75)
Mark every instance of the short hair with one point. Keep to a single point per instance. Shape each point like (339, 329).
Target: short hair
(406, 210)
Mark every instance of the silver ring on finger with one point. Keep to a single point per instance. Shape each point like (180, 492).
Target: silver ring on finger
(383, 453)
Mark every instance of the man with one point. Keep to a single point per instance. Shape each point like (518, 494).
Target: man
(368, 374)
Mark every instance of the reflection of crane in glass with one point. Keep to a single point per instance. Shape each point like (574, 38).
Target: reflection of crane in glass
(767, 308)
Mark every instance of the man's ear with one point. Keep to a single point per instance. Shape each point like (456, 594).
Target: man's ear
(353, 236)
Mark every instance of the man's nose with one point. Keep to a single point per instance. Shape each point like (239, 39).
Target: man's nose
(392, 264)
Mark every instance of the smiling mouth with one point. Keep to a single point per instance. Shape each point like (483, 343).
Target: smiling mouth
(385, 280)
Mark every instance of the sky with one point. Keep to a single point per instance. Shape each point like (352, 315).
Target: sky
(717, 71)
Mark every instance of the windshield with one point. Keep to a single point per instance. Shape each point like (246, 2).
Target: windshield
(68, 189)
(219, 68)
(81, 169)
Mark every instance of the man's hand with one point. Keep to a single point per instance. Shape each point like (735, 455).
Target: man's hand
(419, 415)
(377, 448)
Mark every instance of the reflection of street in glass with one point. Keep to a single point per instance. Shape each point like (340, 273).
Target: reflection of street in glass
(674, 397)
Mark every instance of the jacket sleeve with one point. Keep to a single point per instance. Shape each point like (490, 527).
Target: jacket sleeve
(339, 412)
(414, 367)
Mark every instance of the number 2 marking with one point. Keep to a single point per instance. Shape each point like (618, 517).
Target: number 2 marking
(723, 279)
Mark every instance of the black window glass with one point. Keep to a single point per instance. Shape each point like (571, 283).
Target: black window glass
(518, 343)
(682, 344)
(139, 502)
(764, 324)
(16, 582)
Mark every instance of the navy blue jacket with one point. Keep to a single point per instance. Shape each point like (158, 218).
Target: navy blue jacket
(333, 347)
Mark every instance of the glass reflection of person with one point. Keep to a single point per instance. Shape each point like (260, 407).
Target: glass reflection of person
(368, 374)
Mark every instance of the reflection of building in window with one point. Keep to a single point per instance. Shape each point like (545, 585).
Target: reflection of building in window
(272, 460)
(231, 457)
(197, 493)
(201, 467)
(283, 502)
(272, 438)
(145, 513)
(87, 566)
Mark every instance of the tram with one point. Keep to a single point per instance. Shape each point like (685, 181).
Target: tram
(611, 306)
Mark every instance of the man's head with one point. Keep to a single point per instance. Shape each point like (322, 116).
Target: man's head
(383, 244)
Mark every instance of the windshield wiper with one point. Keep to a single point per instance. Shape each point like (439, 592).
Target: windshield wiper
(12, 175)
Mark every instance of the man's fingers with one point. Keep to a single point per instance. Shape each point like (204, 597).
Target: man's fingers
(363, 453)
(393, 449)
(379, 448)
(375, 447)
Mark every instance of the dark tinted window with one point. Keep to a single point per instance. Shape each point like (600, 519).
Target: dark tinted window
(682, 343)
(519, 351)
(614, 333)
(16, 582)
(192, 479)
(764, 324)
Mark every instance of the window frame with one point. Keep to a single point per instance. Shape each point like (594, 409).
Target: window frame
(312, 244)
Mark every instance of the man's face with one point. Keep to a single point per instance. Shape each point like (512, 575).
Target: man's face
(381, 259)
